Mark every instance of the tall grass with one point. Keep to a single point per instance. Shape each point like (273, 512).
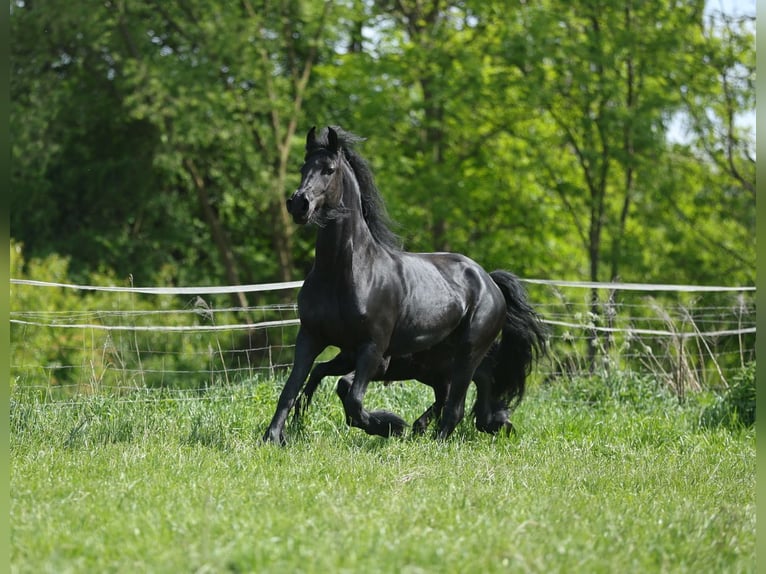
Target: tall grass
(602, 476)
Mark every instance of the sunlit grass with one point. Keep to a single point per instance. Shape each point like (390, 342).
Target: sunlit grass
(593, 482)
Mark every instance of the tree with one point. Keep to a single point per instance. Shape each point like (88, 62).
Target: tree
(607, 77)
(82, 169)
(226, 87)
(187, 111)
(160, 139)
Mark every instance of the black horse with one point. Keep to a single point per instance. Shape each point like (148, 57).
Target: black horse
(501, 375)
(379, 304)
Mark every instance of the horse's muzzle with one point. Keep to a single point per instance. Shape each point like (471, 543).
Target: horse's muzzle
(298, 206)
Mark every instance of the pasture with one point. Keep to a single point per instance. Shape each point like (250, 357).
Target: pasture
(603, 475)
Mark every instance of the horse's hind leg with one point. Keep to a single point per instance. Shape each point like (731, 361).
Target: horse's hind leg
(492, 416)
(465, 366)
(441, 389)
(482, 408)
(454, 408)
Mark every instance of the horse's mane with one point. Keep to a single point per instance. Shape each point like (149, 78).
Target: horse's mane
(373, 206)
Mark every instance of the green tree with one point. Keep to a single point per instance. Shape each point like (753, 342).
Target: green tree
(225, 85)
(421, 84)
(82, 180)
(151, 136)
(164, 130)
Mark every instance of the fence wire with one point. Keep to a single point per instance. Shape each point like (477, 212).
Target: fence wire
(121, 340)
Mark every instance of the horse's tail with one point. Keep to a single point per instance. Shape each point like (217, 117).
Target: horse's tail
(523, 341)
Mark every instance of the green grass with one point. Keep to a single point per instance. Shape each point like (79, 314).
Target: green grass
(615, 477)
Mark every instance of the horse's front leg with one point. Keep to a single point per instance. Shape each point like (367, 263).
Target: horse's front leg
(382, 423)
(307, 348)
(340, 364)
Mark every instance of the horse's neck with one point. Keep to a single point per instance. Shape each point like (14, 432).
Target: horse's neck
(342, 239)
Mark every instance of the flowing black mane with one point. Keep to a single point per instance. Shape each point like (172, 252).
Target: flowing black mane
(373, 206)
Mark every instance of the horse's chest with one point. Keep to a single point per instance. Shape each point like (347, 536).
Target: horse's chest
(333, 314)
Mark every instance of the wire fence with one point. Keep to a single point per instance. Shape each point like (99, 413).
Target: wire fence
(73, 340)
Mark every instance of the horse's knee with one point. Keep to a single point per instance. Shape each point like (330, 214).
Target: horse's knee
(343, 387)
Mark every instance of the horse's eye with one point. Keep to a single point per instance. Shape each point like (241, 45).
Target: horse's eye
(328, 170)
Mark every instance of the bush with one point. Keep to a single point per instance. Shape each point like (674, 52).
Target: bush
(607, 388)
(735, 407)
(58, 361)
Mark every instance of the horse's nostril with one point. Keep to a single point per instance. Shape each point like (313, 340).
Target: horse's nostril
(298, 205)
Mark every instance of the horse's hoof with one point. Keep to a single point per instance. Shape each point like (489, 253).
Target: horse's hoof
(508, 429)
(274, 438)
(443, 433)
(419, 427)
(386, 424)
(397, 429)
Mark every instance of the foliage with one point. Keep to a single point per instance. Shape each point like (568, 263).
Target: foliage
(51, 350)
(97, 344)
(534, 136)
(605, 390)
(734, 407)
(669, 338)
(154, 144)
(100, 341)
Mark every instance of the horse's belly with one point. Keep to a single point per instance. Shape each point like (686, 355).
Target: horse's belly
(425, 328)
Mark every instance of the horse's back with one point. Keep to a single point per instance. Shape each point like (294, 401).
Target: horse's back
(442, 292)
(457, 273)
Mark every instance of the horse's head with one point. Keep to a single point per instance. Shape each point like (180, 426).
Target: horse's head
(320, 182)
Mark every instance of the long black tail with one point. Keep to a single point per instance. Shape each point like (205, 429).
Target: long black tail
(523, 341)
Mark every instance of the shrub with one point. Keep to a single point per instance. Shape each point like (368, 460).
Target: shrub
(735, 407)
(56, 360)
(609, 387)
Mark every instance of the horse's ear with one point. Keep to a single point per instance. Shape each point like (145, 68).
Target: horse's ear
(332, 140)
(311, 138)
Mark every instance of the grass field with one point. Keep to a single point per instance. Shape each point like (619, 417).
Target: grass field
(601, 477)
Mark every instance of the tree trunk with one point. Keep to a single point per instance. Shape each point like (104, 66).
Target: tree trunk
(218, 233)
(282, 239)
(593, 254)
